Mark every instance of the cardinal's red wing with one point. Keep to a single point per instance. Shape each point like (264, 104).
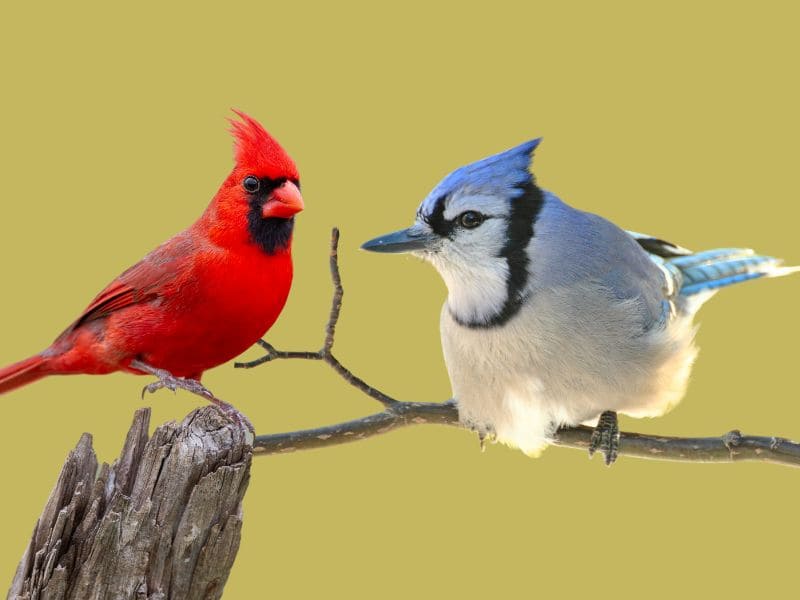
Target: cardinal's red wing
(116, 296)
(143, 282)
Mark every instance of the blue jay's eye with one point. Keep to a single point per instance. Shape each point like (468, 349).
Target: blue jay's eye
(251, 184)
(470, 219)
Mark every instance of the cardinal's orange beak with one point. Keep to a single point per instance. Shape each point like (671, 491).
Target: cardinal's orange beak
(283, 202)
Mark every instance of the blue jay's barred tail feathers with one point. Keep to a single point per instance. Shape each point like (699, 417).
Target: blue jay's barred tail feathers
(713, 269)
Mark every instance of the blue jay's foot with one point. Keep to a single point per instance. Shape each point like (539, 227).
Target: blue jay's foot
(485, 434)
(605, 437)
(169, 381)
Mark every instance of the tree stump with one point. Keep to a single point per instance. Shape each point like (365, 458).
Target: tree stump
(164, 521)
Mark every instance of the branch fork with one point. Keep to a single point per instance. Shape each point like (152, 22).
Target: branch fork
(325, 353)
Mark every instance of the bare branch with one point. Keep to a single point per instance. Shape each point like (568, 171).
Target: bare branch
(399, 415)
(325, 353)
(731, 447)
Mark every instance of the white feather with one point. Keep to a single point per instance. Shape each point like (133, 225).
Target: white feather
(562, 361)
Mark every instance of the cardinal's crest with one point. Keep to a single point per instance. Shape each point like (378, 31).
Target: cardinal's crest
(257, 152)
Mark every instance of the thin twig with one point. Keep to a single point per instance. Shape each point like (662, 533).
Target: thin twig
(325, 353)
(731, 447)
(338, 293)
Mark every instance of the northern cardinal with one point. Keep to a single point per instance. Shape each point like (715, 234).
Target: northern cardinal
(202, 297)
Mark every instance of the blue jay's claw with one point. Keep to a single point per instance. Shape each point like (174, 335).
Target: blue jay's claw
(484, 436)
(605, 437)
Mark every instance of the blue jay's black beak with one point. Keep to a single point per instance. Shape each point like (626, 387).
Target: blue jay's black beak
(405, 240)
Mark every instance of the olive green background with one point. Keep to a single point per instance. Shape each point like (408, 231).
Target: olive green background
(678, 121)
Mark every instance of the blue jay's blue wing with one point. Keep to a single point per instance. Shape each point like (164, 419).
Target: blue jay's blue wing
(572, 247)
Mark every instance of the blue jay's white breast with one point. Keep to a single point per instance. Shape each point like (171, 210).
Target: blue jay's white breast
(523, 380)
(587, 339)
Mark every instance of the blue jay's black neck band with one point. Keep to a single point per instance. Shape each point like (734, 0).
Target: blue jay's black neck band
(524, 212)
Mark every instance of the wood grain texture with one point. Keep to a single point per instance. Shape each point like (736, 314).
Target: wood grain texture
(163, 521)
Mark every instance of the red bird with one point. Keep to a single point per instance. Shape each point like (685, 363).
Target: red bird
(201, 298)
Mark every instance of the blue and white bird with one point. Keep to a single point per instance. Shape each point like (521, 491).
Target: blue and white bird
(555, 316)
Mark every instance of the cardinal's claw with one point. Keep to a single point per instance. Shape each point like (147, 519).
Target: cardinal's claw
(605, 437)
(169, 381)
(234, 414)
(151, 388)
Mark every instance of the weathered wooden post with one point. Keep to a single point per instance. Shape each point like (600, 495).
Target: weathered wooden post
(164, 521)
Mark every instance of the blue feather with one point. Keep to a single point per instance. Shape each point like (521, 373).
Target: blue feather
(718, 268)
(718, 283)
(709, 256)
(501, 174)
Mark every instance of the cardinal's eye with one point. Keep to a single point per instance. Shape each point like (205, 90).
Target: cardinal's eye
(470, 219)
(251, 184)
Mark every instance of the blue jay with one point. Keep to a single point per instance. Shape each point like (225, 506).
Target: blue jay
(555, 316)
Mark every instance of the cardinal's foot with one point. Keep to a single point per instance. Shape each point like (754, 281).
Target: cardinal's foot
(605, 437)
(171, 382)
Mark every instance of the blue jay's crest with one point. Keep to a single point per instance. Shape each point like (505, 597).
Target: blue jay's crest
(501, 174)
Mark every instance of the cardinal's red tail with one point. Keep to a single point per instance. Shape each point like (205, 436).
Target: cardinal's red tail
(22, 373)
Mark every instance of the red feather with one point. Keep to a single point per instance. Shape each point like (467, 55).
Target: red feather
(21, 373)
(258, 151)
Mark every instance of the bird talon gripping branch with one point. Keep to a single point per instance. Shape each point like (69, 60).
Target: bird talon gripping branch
(605, 437)
(172, 383)
(152, 388)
